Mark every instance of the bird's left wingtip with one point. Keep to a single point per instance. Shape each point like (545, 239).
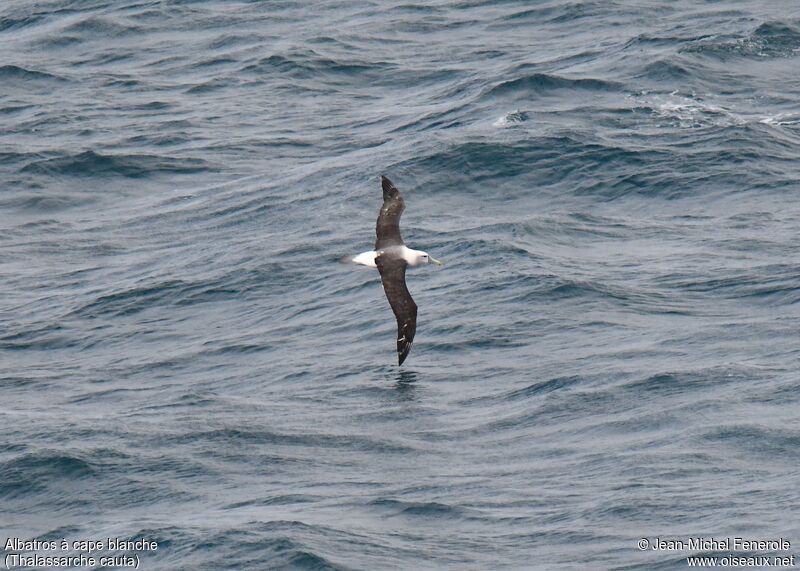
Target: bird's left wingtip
(389, 189)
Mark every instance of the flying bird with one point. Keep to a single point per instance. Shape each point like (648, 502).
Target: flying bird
(392, 257)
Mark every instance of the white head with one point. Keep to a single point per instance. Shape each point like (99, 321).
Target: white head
(424, 258)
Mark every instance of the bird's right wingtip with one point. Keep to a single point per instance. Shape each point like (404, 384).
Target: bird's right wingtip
(401, 355)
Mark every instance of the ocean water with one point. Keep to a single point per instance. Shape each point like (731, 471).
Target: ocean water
(609, 354)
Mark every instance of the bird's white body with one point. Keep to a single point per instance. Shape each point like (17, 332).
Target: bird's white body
(412, 257)
(366, 259)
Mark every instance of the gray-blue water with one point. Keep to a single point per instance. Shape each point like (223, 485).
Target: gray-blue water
(610, 352)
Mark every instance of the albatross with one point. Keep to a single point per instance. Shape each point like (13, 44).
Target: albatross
(392, 257)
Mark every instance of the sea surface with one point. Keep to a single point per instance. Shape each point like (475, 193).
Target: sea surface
(610, 352)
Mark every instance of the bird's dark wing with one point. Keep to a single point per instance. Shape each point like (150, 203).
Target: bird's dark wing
(393, 276)
(388, 227)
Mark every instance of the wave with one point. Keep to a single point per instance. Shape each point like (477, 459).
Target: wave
(279, 544)
(211, 85)
(556, 13)
(170, 292)
(233, 39)
(93, 164)
(777, 444)
(231, 283)
(422, 509)
(100, 27)
(776, 284)
(57, 42)
(33, 472)
(352, 442)
(684, 382)
(782, 119)
(644, 40)
(769, 40)
(686, 110)
(540, 388)
(511, 119)
(10, 22)
(15, 73)
(41, 338)
(542, 83)
(666, 70)
(308, 63)
(281, 500)
(531, 166)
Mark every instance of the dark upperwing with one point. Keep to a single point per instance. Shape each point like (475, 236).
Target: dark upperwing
(393, 276)
(387, 228)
